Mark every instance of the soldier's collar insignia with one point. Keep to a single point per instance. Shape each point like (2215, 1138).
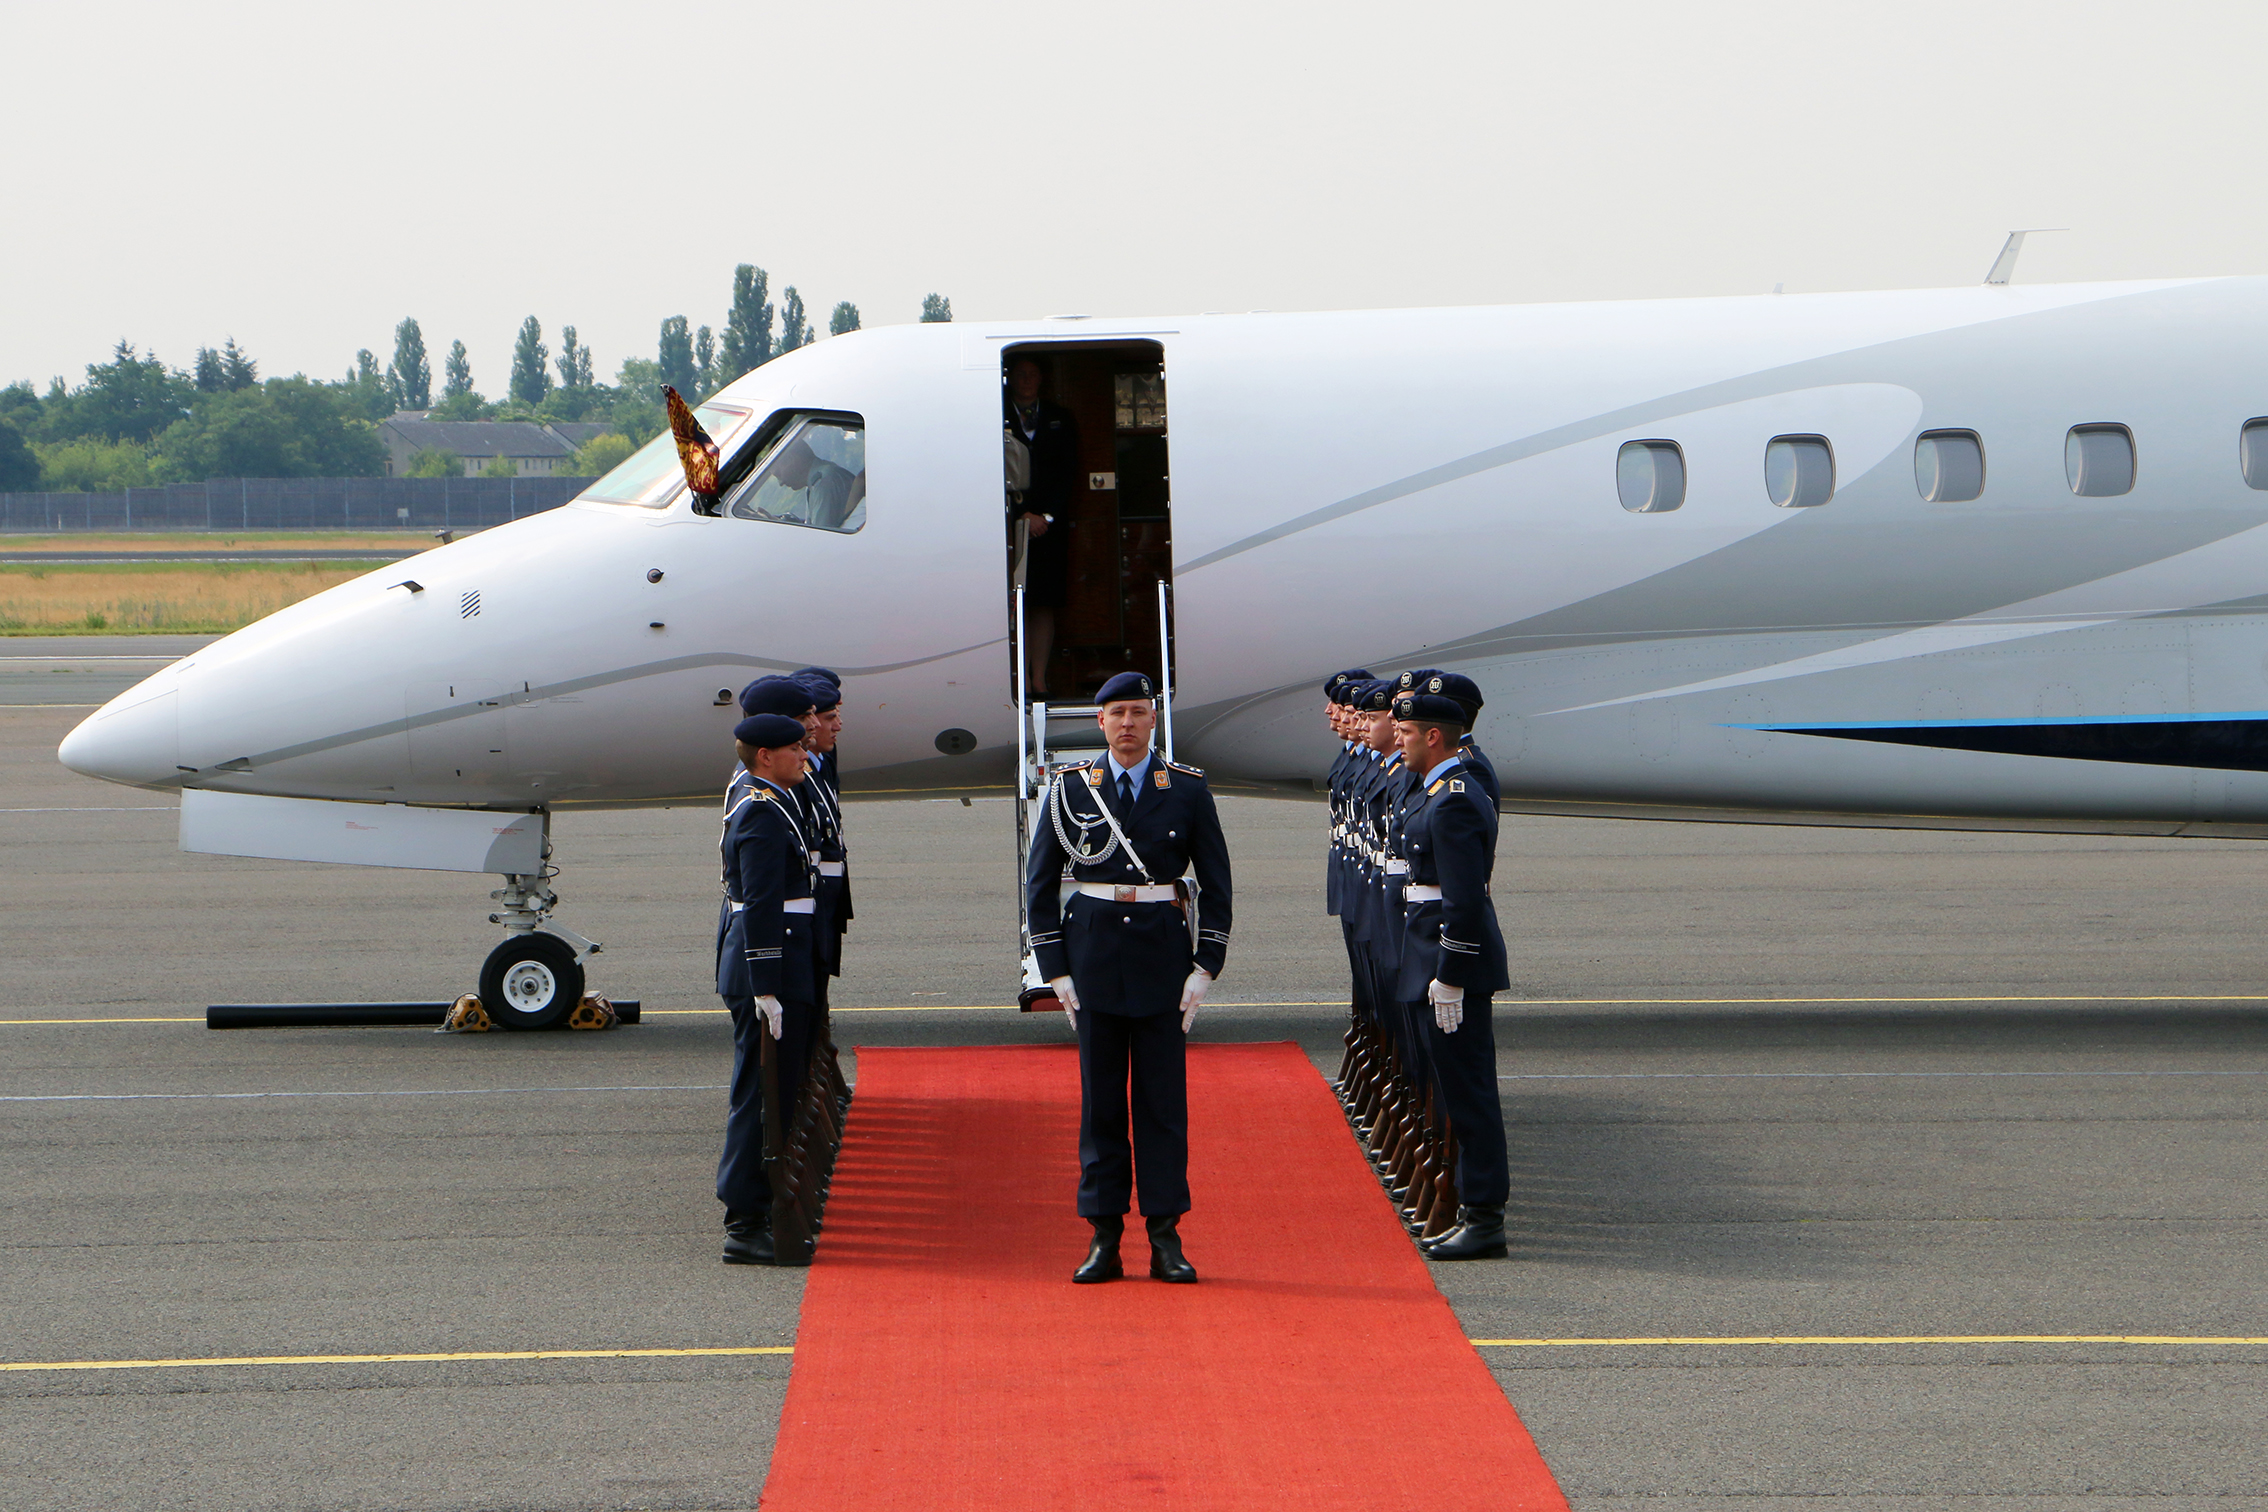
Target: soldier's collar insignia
(1429, 792)
(1094, 776)
(1159, 777)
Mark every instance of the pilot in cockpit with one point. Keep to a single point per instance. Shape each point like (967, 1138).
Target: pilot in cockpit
(801, 486)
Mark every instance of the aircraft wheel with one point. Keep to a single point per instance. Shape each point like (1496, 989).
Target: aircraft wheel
(531, 981)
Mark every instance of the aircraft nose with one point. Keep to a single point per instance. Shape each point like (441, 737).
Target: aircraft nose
(134, 739)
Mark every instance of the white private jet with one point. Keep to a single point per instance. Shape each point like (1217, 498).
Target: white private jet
(1958, 557)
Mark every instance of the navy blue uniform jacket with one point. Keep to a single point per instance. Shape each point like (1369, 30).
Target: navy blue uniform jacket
(1129, 958)
(1449, 834)
(765, 950)
(821, 802)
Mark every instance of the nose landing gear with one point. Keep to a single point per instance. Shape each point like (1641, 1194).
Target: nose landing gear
(535, 978)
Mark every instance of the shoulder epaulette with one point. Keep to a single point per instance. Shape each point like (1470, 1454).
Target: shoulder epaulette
(1182, 766)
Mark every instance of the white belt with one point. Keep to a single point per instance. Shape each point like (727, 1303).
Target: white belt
(829, 868)
(792, 905)
(1397, 868)
(1419, 892)
(1110, 894)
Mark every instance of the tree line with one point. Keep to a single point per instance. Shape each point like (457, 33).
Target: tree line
(136, 421)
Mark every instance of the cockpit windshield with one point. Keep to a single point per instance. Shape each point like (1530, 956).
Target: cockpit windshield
(652, 476)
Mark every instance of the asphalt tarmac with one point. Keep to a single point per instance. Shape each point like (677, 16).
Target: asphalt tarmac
(1761, 1082)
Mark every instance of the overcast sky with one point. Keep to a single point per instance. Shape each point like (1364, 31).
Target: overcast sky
(302, 176)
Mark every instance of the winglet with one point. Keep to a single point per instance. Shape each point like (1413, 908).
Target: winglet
(2004, 266)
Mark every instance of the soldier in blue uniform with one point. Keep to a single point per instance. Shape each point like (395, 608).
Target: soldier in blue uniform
(1337, 695)
(1130, 954)
(823, 801)
(766, 695)
(1375, 800)
(765, 964)
(1466, 692)
(1453, 958)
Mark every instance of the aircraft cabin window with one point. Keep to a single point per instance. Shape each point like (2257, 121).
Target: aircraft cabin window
(2252, 451)
(813, 473)
(2099, 460)
(1650, 476)
(1799, 471)
(1949, 466)
(652, 475)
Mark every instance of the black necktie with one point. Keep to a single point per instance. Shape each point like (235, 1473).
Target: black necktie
(1125, 791)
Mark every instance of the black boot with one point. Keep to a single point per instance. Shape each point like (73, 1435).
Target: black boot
(1102, 1256)
(1479, 1235)
(1167, 1263)
(748, 1237)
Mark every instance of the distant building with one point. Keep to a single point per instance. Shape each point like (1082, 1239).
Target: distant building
(538, 451)
(577, 432)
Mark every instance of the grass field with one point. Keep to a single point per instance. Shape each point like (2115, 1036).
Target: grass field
(144, 598)
(281, 541)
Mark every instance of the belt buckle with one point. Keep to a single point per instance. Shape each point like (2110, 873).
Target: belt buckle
(1122, 894)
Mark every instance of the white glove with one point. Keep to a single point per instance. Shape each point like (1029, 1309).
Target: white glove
(774, 1014)
(1192, 994)
(1068, 996)
(1448, 1005)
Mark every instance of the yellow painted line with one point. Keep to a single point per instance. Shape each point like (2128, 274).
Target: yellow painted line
(2036, 997)
(394, 1359)
(1871, 1339)
(789, 1349)
(176, 1018)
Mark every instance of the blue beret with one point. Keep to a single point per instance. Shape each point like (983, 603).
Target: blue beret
(1336, 686)
(776, 695)
(768, 732)
(830, 678)
(1453, 685)
(1434, 708)
(1374, 696)
(1126, 685)
(824, 695)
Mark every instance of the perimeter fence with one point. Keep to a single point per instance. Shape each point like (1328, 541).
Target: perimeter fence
(292, 504)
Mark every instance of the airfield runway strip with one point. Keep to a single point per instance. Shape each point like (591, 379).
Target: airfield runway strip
(1666, 1341)
(1508, 1006)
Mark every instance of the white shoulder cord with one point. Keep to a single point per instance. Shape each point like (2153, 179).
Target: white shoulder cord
(1117, 835)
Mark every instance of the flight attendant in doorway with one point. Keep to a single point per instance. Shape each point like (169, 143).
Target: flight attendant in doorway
(1052, 437)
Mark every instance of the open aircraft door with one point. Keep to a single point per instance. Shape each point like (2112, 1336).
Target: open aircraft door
(1100, 600)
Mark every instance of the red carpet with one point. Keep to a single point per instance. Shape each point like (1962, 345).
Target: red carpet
(945, 1360)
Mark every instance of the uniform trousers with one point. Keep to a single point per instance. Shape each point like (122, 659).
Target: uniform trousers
(1464, 1068)
(1153, 1052)
(741, 1185)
